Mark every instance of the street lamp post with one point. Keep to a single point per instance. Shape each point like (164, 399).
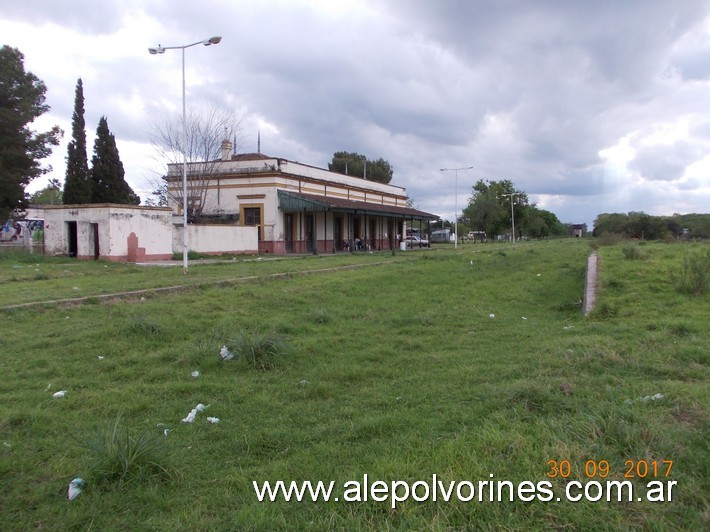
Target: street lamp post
(512, 213)
(456, 200)
(161, 50)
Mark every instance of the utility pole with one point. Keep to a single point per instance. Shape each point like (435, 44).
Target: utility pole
(512, 213)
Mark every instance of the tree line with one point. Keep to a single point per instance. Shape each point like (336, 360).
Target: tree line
(642, 226)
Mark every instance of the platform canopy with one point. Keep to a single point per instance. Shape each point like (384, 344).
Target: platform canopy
(296, 202)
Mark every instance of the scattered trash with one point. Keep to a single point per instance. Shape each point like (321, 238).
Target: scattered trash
(647, 398)
(213, 420)
(142, 298)
(225, 353)
(193, 413)
(166, 432)
(100, 357)
(75, 288)
(471, 263)
(5, 444)
(539, 274)
(59, 394)
(656, 397)
(567, 327)
(524, 318)
(75, 487)
(491, 315)
(304, 382)
(48, 387)
(195, 374)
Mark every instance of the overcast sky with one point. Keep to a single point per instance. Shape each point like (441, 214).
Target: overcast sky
(588, 106)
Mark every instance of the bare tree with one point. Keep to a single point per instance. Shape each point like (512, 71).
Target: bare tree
(206, 129)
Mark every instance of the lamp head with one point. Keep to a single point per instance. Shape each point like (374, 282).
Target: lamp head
(158, 50)
(212, 40)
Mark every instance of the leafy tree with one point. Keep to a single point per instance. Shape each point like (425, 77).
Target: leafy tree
(540, 223)
(488, 208)
(77, 183)
(22, 97)
(358, 165)
(49, 195)
(107, 174)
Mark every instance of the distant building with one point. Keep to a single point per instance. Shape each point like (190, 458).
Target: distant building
(579, 230)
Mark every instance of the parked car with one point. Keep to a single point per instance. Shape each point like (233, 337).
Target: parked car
(417, 242)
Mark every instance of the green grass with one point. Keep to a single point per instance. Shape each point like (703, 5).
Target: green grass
(394, 370)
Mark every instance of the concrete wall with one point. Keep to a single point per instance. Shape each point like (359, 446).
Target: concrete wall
(217, 239)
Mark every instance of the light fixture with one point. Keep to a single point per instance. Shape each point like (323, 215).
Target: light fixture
(161, 50)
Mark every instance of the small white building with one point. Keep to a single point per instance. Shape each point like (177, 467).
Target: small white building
(129, 233)
(122, 233)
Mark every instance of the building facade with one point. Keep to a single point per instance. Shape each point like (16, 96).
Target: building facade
(296, 208)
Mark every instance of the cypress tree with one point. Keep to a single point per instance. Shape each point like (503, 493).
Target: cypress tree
(77, 183)
(107, 173)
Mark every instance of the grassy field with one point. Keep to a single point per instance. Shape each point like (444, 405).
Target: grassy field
(460, 364)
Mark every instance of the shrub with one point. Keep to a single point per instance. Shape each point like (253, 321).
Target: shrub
(609, 239)
(633, 251)
(261, 350)
(693, 276)
(121, 457)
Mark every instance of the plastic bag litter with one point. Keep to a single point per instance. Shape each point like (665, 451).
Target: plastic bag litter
(491, 315)
(225, 353)
(193, 413)
(213, 420)
(59, 394)
(75, 487)
(656, 397)
(195, 374)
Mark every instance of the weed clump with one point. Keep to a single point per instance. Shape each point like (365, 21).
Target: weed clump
(260, 350)
(693, 275)
(633, 251)
(320, 316)
(142, 325)
(605, 311)
(121, 457)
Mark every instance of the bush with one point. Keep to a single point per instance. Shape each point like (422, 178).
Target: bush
(693, 276)
(607, 239)
(633, 252)
(121, 457)
(261, 350)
